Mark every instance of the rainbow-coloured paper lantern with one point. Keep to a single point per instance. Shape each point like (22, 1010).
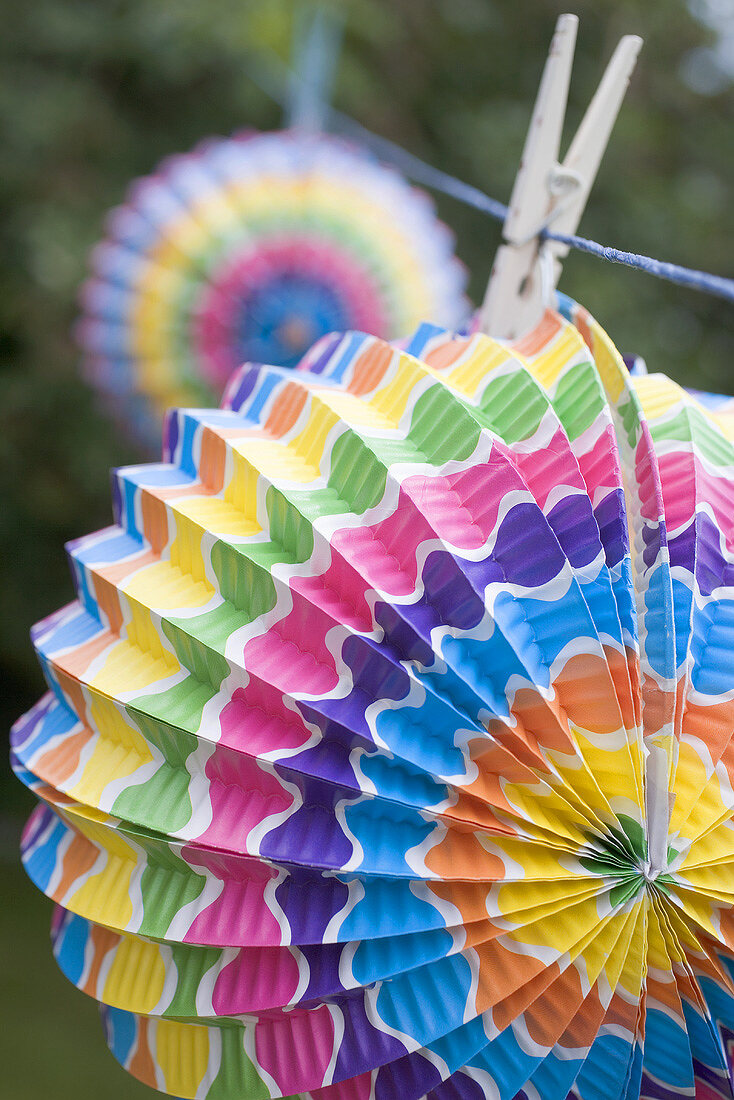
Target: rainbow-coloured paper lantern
(388, 743)
(251, 248)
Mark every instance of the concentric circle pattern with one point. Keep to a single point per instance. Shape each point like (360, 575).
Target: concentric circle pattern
(251, 248)
(388, 744)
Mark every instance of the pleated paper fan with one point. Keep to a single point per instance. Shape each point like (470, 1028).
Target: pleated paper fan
(388, 743)
(250, 248)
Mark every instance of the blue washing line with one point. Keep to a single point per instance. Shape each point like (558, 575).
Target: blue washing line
(277, 82)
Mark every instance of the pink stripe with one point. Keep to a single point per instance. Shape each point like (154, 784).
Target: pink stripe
(308, 1035)
(256, 720)
(253, 984)
(546, 469)
(240, 913)
(243, 794)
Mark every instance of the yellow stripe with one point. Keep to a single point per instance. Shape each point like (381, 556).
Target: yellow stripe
(657, 394)
(166, 584)
(399, 387)
(468, 376)
(182, 1052)
(118, 752)
(132, 665)
(548, 365)
(136, 977)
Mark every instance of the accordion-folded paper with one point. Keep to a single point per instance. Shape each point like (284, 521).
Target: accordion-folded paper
(251, 248)
(388, 743)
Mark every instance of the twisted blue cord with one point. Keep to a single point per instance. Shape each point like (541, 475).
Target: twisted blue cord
(421, 172)
(717, 285)
(434, 178)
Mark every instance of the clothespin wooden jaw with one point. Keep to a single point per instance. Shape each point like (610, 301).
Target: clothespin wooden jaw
(548, 194)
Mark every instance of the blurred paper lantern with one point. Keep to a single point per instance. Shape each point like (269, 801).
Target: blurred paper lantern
(251, 248)
(377, 761)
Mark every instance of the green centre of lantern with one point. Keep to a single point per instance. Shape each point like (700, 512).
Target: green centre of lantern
(622, 855)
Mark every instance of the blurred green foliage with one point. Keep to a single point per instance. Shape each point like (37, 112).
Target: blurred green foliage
(95, 92)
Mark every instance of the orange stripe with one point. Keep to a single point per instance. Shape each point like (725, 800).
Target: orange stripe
(58, 763)
(446, 355)
(103, 940)
(370, 368)
(155, 520)
(460, 854)
(286, 409)
(564, 998)
(117, 571)
(77, 661)
(78, 859)
(581, 320)
(512, 1007)
(141, 1064)
(537, 340)
(213, 459)
(503, 972)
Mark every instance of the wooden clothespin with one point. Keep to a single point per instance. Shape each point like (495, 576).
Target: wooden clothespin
(548, 194)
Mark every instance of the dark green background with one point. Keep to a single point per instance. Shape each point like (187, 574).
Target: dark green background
(95, 92)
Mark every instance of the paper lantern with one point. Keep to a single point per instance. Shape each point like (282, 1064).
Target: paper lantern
(388, 747)
(250, 248)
